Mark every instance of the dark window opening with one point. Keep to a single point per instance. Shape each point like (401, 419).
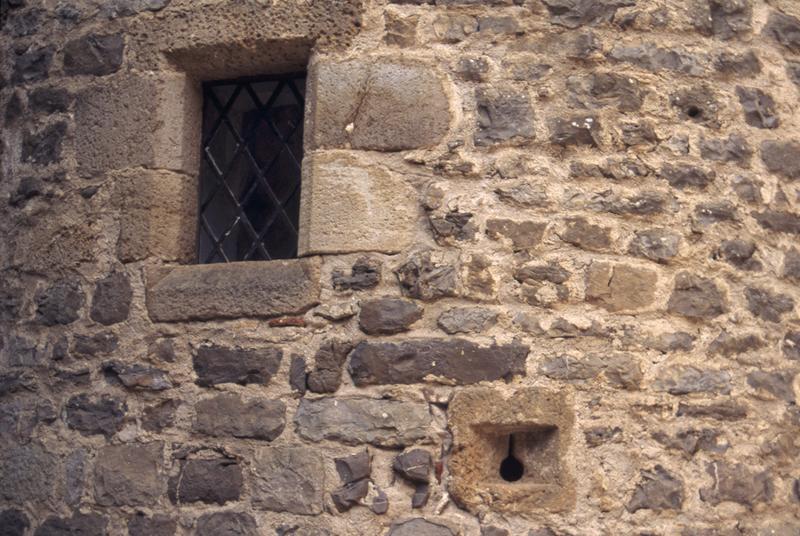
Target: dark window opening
(250, 171)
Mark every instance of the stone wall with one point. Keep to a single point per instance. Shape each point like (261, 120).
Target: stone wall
(568, 224)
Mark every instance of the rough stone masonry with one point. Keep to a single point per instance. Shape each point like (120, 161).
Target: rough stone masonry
(570, 226)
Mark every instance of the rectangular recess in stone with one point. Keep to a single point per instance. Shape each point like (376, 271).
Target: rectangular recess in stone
(233, 290)
(511, 449)
(414, 361)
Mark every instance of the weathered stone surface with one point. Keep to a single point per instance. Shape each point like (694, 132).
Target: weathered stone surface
(129, 475)
(136, 376)
(473, 69)
(385, 316)
(365, 274)
(328, 362)
(522, 234)
(691, 441)
(695, 297)
(400, 31)
(525, 195)
(739, 253)
(619, 287)
(422, 493)
(682, 380)
(75, 476)
(13, 523)
(112, 299)
(15, 381)
(576, 13)
(157, 211)
(731, 63)
(466, 320)
(784, 29)
(759, 108)
(413, 465)
(227, 523)
(44, 146)
(722, 411)
(113, 9)
(791, 345)
(660, 245)
(727, 345)
(491, 530)
(600, 435)
(215, 365)
(658, 490)
(234, 290)
(791, 265)
(578, 130)
(734, 148)
(782, 158)
(779, 384)
(426, 277)
(777, 220)
(724, 19)
(697, 104)
(454, 27)
(579, 232)
(341, 184)
(683, 176)
(229, 415)
(49, 100)
(94, 54)
(78, 524)
(598, 90)
(714, 212)
(157, 525)
(413, 361)
(504, 115)
(736, 483)
(210, 481)
(154, 109)
(349, 495)
(159, 416)
(672, 342)
(387, 423)
(20, 417)
(60, 303)
(26, 473)
(101, 343)
(621, 370)
(454, 225)
(380, 503)
(354, 467)
(90, 415)
(653, 58)
(768, 305)
(32, 65)
(288, 479)
(374, 105)
(298, 375)
(419, 527)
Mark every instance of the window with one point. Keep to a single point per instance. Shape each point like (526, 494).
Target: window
(250, 171)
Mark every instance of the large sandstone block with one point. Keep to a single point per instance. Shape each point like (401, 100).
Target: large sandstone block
(288, 479)
(534, 427)
(233, 290)
(158, 215)
(619, 287)
(414, 361)
(138, 120)
(349, 205)
(375, 104)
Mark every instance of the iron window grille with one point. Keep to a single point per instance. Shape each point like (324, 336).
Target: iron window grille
(250, 172)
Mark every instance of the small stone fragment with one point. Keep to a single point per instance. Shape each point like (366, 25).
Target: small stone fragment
(425, 278)
(739, 253)
(733, 149)
(77, 524)
(575, 13)
(13, 523)
(380, 504)
(784, 29)
(779, 383)
(297, 375)
(466, 320)
(672, 342)
(504, 115)
(422, 493)
(579, 232)
(736, 483)
(658, 490)
(600, 435)
(350, 495)
(60, 303)
(791, 265)
(680, 380)
(578, 130)
(695, 297)
(157, 525)
(365, 274)
(95, 415)
(386, 316)
(94, 54)
(777, 220)
(782, 158)
(419, 527)
(759, 108)
(768, 305)
(137, 376)
(727, 345)
(522, 234)
(722, 411)
(354, 467)
(658, 245)
(697, 104)
(791, 345)
(157, 417)
(618, 287)
(683, 176)
(414, 465)
(216, 365)
(210, 481)
(228, 415)
(227, 523)
(328, 361)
